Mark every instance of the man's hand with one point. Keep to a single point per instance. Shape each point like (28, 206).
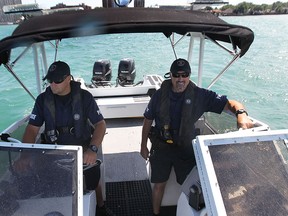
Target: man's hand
(23, 164)
(89, 157)
(144, 152)
(244, 122)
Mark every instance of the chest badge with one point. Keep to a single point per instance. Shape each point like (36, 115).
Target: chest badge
(76, 116)
(187, 101)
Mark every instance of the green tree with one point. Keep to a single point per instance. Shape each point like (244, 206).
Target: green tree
(250, 9)
(208, 8)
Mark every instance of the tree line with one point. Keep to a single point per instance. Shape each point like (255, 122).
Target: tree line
(246, 8)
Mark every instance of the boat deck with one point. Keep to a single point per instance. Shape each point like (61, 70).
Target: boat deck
(121, 146)
(126, 173)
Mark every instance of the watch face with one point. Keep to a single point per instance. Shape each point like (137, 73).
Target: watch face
(241, 111)
(94, 148)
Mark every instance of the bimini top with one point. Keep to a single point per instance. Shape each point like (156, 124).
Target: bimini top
(123, 20)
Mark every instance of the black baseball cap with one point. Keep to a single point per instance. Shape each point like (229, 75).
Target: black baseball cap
(57, 71)
(180, 65)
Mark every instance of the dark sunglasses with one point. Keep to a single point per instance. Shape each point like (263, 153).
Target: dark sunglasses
(184, 75)
(57, 81)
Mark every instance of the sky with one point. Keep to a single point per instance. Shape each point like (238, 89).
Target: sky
(45, 4)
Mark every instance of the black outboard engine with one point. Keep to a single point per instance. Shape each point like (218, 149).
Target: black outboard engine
(102, 72)
(126, 72)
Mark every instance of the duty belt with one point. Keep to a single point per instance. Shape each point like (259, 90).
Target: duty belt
(63, 130)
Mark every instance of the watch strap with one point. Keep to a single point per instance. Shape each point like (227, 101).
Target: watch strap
(93, 148)
(240, 111)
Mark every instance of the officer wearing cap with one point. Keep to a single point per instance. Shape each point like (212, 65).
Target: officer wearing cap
(71, 116)
(175, 107)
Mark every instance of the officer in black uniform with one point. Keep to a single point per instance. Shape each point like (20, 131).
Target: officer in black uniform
(71, 116)
(175, 107)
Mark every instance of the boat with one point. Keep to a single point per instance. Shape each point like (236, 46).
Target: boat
(238, 172)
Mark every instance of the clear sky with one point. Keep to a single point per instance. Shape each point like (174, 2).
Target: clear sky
(44, 4)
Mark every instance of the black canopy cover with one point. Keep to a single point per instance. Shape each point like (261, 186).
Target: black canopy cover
(123, 20)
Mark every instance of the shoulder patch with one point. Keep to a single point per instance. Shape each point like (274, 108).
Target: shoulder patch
(33, 116)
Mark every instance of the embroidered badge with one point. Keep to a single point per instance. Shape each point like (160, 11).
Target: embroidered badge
(180, 63)
(76, 116)
(188, 101)
(33, 116)
(52, 68)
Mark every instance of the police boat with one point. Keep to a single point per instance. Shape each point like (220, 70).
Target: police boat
(238, 172)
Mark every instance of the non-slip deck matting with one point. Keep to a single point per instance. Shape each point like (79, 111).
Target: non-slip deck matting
(130, 198)
(133, 198)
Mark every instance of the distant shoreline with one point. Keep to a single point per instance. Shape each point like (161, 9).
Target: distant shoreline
(252, 14)
(216, 13)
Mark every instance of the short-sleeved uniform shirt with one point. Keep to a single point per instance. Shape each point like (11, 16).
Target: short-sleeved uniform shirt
(206, 101)
(64, 116)
(162, 160)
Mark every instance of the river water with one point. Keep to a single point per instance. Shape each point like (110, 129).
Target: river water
(259, 79)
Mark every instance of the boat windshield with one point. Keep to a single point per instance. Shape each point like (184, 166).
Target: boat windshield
(49, 185)
(252, 177)
(251, 173)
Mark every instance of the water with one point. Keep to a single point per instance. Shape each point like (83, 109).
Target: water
(259, 79)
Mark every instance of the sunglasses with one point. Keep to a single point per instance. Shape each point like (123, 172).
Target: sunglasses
(183, 75)
(57, 81)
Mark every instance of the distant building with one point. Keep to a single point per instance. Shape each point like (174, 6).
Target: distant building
(107, 3)
(228, 12)
(139, 3)
(8, 18)
(176, 7)
(210, 2)
(61, 5)
(201, 4)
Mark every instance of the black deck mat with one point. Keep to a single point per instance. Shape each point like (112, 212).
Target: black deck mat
(131, 198)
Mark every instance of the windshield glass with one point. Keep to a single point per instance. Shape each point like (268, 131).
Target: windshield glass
(46, 184)
(253, 177)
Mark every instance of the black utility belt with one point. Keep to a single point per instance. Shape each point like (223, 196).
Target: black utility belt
(65, 130)
(164, 135)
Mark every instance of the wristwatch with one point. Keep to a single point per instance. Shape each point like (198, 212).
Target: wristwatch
(93, 148)
(240, 111)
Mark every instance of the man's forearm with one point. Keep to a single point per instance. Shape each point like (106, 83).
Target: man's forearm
(99, 132)
(233, 106)
(30, 134)
(145, 131)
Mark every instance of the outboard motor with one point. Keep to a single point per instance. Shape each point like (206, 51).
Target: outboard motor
(102, 72)
(126, 72)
